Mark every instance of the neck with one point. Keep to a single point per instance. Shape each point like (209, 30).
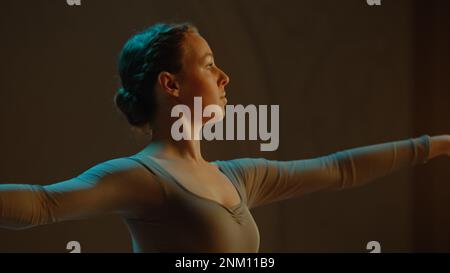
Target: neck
(184, 150)
(164, 146)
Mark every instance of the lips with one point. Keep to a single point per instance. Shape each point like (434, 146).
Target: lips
(223, 97)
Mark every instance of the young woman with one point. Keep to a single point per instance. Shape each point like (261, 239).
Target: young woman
(172, 199)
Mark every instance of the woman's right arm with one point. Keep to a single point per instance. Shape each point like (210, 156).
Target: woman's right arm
(114, 186)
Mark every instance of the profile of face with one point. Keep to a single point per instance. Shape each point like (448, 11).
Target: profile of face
(200, 76)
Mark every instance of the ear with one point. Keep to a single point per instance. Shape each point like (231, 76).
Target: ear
(169, 83)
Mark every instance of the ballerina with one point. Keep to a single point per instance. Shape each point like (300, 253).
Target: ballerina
(170, 197)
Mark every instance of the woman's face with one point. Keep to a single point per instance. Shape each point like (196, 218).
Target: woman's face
(200, 77)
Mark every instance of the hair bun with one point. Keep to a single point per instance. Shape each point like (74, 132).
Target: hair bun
(124, 94)
(142, 58)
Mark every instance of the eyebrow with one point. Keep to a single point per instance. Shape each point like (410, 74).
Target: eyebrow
(208, 54)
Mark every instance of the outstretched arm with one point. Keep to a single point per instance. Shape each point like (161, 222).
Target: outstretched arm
(109, 187)
(440, 145)
(267, 181)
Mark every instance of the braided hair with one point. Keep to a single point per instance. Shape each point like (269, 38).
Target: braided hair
(143, 57)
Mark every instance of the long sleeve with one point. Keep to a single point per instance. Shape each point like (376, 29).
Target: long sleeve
(106, 188)
(266, 181)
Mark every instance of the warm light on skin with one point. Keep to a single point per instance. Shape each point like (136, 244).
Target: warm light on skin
(196, 96)
(199, 77)
(213, 128)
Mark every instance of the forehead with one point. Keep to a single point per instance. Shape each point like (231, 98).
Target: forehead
(195, 47)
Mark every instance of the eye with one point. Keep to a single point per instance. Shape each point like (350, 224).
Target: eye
(210, 64)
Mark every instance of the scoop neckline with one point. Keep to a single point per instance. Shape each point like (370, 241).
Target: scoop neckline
(231, 209)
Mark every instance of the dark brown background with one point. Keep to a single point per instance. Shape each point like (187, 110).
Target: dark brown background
(345, 74)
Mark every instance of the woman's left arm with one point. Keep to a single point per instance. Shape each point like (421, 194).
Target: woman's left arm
(439, 145)
(267, 181)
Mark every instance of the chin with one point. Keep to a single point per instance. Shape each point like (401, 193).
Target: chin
(221, 115)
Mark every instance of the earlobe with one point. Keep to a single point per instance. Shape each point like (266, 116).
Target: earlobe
(176, 93)
(174, 87)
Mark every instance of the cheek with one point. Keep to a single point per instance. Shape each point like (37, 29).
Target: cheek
(201, 85)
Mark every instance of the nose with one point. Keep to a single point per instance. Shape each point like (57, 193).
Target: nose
(224, 79)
